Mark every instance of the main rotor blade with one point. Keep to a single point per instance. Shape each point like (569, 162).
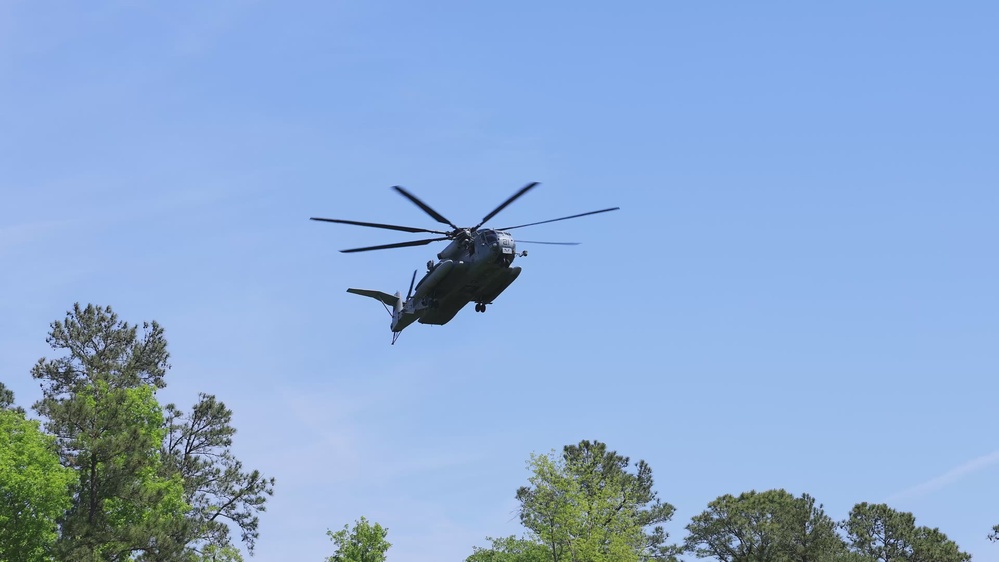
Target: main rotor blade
(426, 208)
(512, 198)
(396, 245)
(379, 225)
(555, 243)
(561, 219)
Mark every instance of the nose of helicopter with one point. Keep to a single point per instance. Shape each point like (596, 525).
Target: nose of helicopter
(505, 248)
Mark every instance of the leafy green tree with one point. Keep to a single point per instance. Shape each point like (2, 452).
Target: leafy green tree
(100, 347)
(994, 535)
(549, 506)
(931, 545)
(99, 403)
(735, 529)
(198, 449)
(770, 526)
(510, 549)
(808, 534)
(585, 505)
(124, 506)
(34, 489)
(364, 543)
(150, 487)
(881, 533)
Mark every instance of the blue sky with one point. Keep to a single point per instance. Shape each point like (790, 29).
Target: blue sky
(799, 290)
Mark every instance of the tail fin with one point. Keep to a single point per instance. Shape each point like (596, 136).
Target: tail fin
(391, 301)
(393, 305)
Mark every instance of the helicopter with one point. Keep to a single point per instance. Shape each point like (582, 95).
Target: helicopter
(475, 267)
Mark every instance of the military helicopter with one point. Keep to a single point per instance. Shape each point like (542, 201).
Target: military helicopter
(474, 267)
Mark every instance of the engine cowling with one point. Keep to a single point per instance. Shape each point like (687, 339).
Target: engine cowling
(428, 283)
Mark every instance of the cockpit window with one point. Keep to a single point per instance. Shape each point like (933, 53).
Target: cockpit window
(489, 237)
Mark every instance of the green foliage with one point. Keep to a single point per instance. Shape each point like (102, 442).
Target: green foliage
(771, 526)
(994, 535)
(213, 553)
(100, 347)
(124, 504)
(99, 401)
(34, 490)
(808, 534)
(364, 543)
(6, 397)
(7, 400)
(734, 529)
(585, 505)
(931, 545)
(149, 487)
(549, 506)
(197, 450)
(510, 549)
(879, 532)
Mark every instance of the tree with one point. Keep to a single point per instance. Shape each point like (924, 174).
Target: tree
(585, 505)
(931, 545)
(34, 489)
(124, 505)
(6, 397)
(150, 487)
(510, 549)
(881, 533)
(197, 448)
(99, 403)
(994, 535)
(104, 354)
(807, 533)
(364, 543)
(770, 526)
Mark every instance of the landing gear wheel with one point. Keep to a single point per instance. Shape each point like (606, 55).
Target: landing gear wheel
(480, 307)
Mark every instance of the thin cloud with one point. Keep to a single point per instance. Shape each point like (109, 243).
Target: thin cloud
(949, 477)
